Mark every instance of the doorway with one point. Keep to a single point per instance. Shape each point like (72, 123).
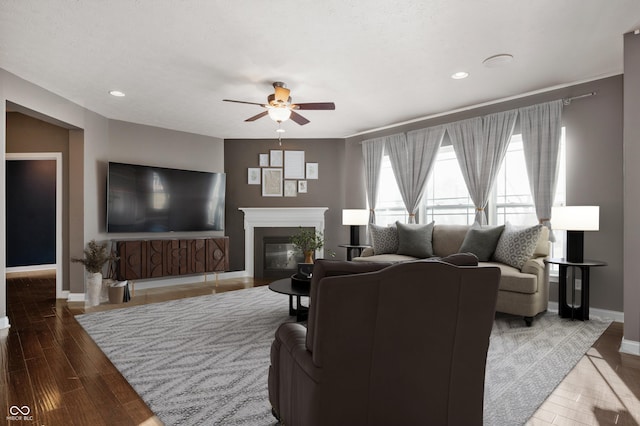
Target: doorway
(28, 259)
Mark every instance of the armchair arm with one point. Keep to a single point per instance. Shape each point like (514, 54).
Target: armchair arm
(292, 336)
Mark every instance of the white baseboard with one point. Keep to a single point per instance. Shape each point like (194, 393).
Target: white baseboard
(233, 274)
(31, 268)
(630, 347)
(64, 294)
(596, 312)
(4, 323)
(75, 297)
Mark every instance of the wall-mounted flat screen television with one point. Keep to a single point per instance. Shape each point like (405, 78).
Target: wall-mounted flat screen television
(157, 199)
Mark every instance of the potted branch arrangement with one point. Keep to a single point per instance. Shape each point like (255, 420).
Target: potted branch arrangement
(95, 257)
(307, 241)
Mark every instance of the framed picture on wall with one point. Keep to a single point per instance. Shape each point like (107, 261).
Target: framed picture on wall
(302, 186)
(264, 160)
(272, 182)
(253, 176)
(290, 188)
(312, 170)
(294, 164)
(276, 157)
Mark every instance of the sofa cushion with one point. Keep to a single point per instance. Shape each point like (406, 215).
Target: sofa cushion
(461, 259)
(516, 245)
(415, 239)
(388, 257)
(511, 279)
(447, 239)
(384, 239)
(482, 241)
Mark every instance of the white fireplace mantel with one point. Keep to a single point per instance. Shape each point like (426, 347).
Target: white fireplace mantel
(277, 217)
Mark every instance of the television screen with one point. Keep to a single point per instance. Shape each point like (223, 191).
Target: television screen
(156, 199)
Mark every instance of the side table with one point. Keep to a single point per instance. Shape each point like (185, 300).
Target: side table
(571, 311)
(353, 248)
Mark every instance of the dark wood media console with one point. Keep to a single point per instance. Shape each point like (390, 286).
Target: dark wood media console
(140, 259)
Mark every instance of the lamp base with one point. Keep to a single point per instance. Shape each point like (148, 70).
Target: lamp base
(575, 246)
(355, 235)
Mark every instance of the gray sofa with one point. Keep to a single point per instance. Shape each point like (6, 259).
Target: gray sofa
(523, 291)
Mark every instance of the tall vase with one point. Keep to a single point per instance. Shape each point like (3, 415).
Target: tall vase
(308, 256)
(94, 288)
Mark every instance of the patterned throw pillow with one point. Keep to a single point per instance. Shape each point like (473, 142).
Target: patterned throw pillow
(481, 241)
(415, 240)
(384, 239)
(516, 245)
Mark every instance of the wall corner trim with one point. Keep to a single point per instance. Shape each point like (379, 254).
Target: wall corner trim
(630, 347)
(4, 323)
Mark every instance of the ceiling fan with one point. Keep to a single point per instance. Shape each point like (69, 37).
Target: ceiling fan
(279, 106)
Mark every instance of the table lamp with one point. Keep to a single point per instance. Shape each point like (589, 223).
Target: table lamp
(355, 218)
(575, 220)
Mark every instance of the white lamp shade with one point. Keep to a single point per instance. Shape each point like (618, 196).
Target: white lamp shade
(576, 218)
(279, 114)
(355, 216)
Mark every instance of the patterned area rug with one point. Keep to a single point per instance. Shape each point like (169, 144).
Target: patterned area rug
(204, 360)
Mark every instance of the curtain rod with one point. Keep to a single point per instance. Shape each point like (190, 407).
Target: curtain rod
(567, 101)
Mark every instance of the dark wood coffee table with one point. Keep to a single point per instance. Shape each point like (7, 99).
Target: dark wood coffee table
(284, 286)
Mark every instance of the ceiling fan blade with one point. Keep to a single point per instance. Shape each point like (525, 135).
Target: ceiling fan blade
(298, 118)
(315, 105)
(244, 102)
(255, 117)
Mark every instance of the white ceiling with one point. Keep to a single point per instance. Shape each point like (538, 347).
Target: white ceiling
(381, 62)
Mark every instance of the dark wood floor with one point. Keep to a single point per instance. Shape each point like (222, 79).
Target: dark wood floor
(52, 366)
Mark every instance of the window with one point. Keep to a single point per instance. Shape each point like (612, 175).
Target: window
(446, 199)
(446, 196)
(390, 207)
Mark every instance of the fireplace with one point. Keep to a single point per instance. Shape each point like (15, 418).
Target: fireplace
(260, 218)
(274, 255)
(280, 258)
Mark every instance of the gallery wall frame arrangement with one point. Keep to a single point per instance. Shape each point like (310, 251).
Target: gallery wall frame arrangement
(282, 173)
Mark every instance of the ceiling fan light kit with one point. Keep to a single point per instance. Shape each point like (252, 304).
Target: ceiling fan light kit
(279, 114)
(279, 106)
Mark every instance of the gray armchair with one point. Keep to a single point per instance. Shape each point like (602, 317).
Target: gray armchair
(401, 344)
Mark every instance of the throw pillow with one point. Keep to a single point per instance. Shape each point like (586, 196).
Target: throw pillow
(415, 240)
(516, 245)
(481, 241)
(384, 239)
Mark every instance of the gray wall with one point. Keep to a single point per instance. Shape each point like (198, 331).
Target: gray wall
(95, 140)
(327, 191)
(153, 146)
(594, 171)
(632, 188)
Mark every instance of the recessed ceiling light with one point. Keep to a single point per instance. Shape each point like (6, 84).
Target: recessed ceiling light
(459, 75)
(280, 130)
(116, 93)
(497, 61)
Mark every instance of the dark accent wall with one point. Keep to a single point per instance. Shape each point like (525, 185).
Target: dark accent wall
(594, 171)
(31, 212)
(327, 191)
